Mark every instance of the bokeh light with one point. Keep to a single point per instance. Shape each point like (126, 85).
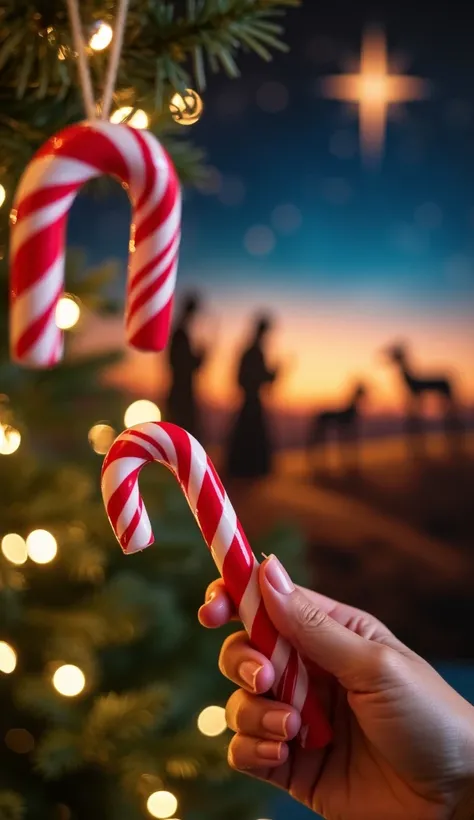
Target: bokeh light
(139, 119)
(19, 741)
(101, 437)
(162, 804)
(141, 411)
(343, 144)
(336, 190)
(42, 546)
(101, 37)
(7, 658)
(14, 548)
(3, 195)
(259, 240)
(10, 440)
(286, 218)
(272, 97)
(67, 312)
(211, 722)
(69, 680)
(232, 192)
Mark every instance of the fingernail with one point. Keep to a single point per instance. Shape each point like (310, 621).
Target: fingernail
(278, 577)
(269, 750)
(248, 672)
(276, 722)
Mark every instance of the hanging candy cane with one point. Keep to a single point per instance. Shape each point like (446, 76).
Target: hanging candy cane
(38, 227)
(183, 455)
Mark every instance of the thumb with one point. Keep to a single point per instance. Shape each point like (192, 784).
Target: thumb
(315, 635)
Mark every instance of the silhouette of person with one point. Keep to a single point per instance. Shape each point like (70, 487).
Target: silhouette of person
(185, 362)
(250, 451)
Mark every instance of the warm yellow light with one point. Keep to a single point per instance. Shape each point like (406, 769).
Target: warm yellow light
(101, 437)
(141, 411)
(186, 109)
(139, 118)
(14, 548)
(7, 658)
(162, 805)
(211, 722)
(42, 546)
(67, 313)
(102, 37)
(10, 440)
(374, 89)
(69, 680)
(3, 195)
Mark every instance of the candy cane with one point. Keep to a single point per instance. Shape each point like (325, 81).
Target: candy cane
(38, 227)
(183, 455)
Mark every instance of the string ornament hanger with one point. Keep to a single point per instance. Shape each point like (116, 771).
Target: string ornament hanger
(92, 110)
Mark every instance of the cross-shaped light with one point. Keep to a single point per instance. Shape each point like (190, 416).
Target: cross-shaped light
(374, 89)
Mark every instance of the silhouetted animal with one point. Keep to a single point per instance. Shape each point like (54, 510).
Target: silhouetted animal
(440, 385)
(418, 387)
(343, 421)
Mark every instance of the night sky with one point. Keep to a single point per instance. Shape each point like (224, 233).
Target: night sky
(348, 258)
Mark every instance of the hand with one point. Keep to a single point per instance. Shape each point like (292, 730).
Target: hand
(403, 744)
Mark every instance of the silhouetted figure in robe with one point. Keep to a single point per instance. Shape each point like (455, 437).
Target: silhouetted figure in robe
(250, 450)
(185, 362)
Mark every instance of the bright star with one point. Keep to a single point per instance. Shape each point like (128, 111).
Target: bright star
(374, 89)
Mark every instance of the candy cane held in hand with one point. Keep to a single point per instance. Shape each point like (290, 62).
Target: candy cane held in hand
(38, 234)
(183, 455)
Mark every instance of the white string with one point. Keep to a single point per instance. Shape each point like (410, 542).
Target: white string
(112, 70)
(80, 48)
(83, 63)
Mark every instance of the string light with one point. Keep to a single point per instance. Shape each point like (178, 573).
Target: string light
(101, 37)
(69, 680)
(42, 546)
(139, 119)
(3, 195)
(141, 411)
(187, 108)
(101, 437)
(162, 804)
(211, 722)
(10, 440)
(7, 658)
(14, 548)
(67, 312)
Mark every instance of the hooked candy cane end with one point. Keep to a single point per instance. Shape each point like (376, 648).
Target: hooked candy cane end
(132, 545)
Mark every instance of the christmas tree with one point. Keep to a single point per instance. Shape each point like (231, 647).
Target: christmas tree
(103, 667)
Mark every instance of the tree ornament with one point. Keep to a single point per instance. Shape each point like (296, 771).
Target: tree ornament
(183, 455)
(186, 109)
(38, 235)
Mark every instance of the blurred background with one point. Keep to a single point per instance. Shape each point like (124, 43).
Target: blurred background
(322, 350)
(363, 263)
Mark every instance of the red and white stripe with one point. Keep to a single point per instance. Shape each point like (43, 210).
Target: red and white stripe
(39, 217)
(183, 455)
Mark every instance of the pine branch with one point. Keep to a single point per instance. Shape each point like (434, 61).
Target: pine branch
(117, 721)
(164, 50)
